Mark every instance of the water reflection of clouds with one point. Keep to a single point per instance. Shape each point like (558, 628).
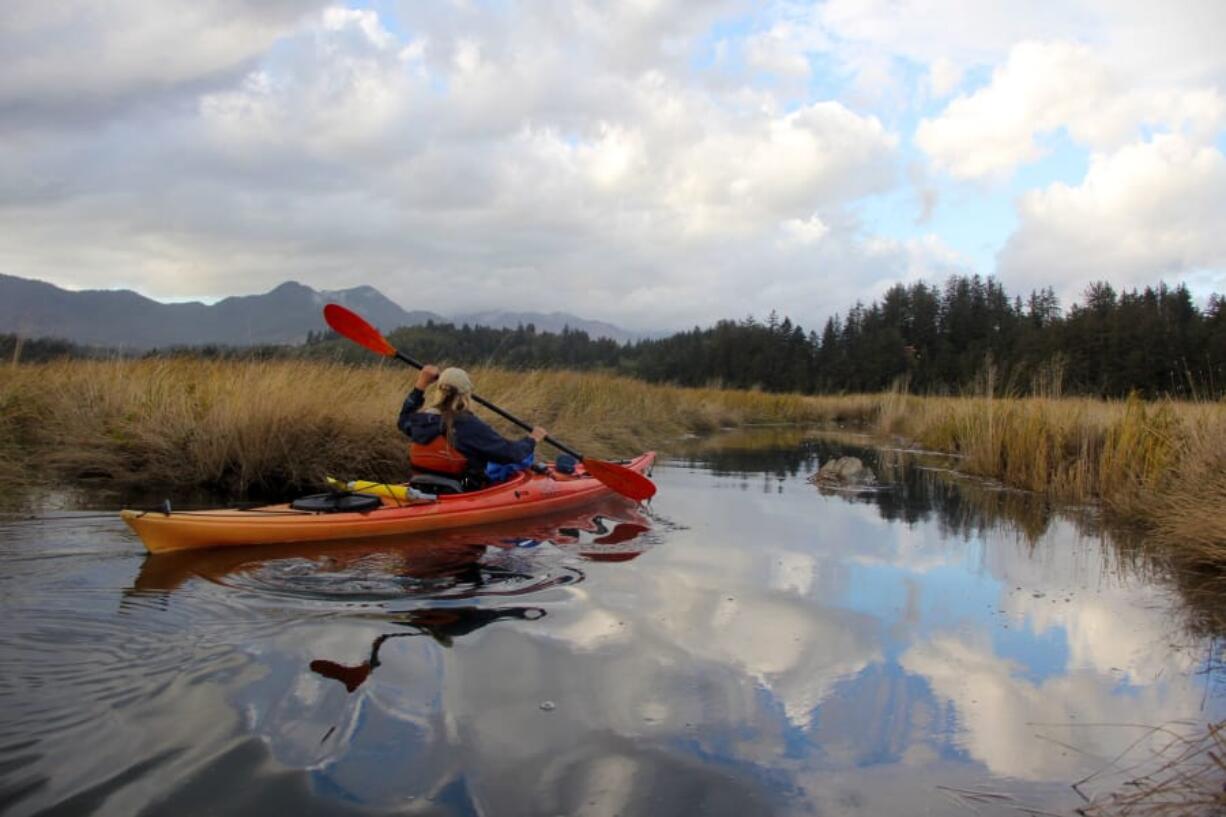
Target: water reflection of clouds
(683, 659)
(796, 650)
(793, 572)
(1001, 713)
(779, 652)
(593, 627)
(957, 603)
(1111, 629)
(774, 637)
(769, 632)
(1075, 635)
(915, 548)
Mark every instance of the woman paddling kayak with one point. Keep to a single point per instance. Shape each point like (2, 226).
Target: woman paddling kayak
(449, 440)
(542, 490)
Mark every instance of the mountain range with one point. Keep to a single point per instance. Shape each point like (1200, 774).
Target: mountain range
(285, 314)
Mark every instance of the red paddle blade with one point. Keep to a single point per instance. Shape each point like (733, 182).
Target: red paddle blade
(353, 326)
(626, 482)
(351, 677)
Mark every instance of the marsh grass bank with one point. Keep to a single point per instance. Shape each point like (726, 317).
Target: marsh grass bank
(239, 427)
(1161, 464)
(235, 426)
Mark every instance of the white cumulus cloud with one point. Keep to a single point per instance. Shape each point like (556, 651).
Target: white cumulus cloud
(67, 59)
(1047, 86)
(1147, 210)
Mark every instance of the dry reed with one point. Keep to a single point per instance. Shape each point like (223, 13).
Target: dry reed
(235, 426)
(1189, 780)
(1162, 464)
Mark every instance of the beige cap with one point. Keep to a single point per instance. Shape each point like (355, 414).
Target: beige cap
(457, 379)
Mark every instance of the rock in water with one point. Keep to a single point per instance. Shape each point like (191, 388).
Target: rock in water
(845, 471)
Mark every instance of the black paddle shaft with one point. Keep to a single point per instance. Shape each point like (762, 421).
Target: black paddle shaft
(506, 415)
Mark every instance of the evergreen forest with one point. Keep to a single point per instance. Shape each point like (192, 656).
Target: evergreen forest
(967, 335)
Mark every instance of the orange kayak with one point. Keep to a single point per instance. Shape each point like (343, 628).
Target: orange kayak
(525, 495)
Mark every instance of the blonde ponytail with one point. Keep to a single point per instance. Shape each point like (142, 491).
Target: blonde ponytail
(450, 403)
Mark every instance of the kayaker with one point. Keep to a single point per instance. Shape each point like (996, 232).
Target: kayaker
(447, 438)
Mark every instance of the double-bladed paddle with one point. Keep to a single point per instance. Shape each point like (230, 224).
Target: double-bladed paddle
(621, 479)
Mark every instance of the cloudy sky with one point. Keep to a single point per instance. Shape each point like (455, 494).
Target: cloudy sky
(656, 163)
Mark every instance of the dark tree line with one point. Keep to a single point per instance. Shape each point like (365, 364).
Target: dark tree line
(936, 339)
(37, 350)
(1154, 341)
(776, 356)
(968, 334)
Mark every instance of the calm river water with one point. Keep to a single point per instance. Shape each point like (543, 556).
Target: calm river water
(749, 645)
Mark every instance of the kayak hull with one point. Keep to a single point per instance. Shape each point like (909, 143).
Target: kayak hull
(525, 495)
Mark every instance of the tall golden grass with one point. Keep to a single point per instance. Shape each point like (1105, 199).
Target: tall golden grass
(1158, 463)
(238, 426)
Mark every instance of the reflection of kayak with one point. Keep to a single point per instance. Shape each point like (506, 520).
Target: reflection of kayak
(524, 495)
(607, 529)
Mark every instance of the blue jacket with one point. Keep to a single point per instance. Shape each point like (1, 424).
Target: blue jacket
(473, 436)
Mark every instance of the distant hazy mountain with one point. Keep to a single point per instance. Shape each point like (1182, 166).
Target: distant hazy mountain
(548, 322)
(373, 305)
(122, 318)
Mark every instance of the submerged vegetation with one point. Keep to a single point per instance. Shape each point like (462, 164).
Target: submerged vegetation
(264, 426)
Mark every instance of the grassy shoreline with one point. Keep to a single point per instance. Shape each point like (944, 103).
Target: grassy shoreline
(237, 426)
(1159, 464)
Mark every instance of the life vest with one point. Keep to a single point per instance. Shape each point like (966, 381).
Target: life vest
(437, 456)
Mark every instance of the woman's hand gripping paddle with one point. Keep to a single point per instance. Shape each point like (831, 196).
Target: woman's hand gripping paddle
(624, 481)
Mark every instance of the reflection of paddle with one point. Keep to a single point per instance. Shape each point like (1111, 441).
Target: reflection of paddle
(354, 677)
(593, 549)
(442, 624)
(622, 532)
(618, 477)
